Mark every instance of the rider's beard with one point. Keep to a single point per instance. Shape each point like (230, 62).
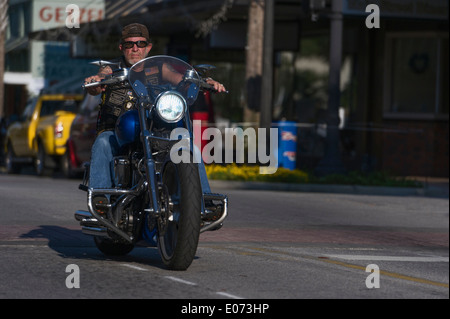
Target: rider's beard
(134, 59)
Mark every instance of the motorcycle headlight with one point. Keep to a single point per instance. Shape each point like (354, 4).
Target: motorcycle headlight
(171, 106)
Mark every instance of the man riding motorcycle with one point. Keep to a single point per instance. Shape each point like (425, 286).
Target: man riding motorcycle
(117, 99)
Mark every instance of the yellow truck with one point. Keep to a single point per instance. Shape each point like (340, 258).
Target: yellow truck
(39, 137)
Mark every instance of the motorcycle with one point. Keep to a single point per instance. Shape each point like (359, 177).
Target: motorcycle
(155, 198)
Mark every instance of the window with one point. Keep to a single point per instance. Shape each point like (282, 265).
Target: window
(417, 76)
(50, 107)
(29, 109)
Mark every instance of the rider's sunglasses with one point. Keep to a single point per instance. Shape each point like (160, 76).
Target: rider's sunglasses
(130, 44)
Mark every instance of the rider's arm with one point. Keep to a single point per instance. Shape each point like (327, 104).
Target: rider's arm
(170, 74)
(96, 90)
(175, 77)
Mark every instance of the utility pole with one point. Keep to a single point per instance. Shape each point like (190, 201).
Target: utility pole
(267, 80)
(254, 60)
(3, 25)
(331, 163)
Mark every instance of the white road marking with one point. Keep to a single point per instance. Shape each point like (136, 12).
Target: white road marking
(181, 281)
(134, 267)
(390, 258)
(228, 295)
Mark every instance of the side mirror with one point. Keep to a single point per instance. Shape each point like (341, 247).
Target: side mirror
(102, 63)
(204, 69)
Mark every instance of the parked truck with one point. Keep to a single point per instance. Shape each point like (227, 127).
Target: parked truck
(39, 136)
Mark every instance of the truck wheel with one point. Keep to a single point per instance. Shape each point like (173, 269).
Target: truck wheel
(11, 167)
(39, 161)
(66, 165)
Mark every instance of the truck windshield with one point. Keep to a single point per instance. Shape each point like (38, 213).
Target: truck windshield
(51, 107)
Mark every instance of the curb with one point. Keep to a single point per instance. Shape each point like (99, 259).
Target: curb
(428, 191)
(439, 190)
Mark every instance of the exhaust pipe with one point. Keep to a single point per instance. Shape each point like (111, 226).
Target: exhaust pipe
(95, 231)
(218, 219)
(90, 225)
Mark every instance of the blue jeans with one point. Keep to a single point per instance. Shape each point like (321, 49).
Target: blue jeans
(105, 148)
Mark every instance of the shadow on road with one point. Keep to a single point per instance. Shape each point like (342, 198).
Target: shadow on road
(73, 244)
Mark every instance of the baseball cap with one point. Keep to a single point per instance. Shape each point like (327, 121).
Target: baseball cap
(135, 30)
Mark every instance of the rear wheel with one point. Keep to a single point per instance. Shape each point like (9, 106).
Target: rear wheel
(179, 225)
(110, 247)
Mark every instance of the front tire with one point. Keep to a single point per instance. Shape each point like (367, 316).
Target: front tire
(179, 229)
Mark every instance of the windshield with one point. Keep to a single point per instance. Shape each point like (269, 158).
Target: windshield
(50, 107)
(165, 73)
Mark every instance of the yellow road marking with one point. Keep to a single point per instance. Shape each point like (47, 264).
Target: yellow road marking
(387, 273)
(347, 265)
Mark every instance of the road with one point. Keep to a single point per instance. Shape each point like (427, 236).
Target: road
(274, 245)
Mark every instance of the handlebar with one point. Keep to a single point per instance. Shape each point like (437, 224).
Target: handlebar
(112, 80)
(85, 86)
(116, 77)
(209, 87)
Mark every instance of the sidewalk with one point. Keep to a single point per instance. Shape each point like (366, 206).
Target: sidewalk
(433, 187)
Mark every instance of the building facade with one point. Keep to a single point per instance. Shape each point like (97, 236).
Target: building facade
(393, 101)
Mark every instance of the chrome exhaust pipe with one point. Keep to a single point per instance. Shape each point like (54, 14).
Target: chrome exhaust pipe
(103, 222)
(95, 231)
(80, 215)
(217, 223)
(86, 219)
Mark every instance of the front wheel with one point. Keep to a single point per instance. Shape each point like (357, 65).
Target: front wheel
(179, 225)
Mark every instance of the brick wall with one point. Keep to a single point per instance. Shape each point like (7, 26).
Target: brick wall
(416, 148)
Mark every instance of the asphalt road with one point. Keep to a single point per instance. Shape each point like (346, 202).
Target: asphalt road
(274, 245)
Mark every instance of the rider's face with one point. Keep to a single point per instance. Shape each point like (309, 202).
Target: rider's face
(135, 54)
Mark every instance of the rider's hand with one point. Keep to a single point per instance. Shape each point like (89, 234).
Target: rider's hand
(94, 90)
(217, 86)
(102, 73)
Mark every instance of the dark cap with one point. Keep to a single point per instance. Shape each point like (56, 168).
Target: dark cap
(135, 30)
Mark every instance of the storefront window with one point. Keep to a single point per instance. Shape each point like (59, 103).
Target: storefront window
(418, 67)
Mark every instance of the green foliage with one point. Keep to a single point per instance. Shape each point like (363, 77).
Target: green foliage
(250, 173)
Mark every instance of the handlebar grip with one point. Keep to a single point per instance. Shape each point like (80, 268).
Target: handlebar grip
(88, 85)
(210, 88)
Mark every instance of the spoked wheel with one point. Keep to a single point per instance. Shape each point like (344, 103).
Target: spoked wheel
(179, 225)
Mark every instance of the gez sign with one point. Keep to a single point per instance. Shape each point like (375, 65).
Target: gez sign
(53, 14)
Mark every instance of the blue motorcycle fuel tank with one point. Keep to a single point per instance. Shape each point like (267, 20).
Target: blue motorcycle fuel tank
(128, 128)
